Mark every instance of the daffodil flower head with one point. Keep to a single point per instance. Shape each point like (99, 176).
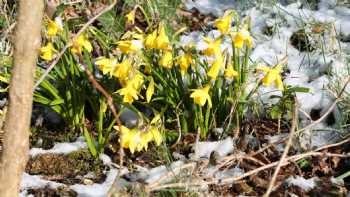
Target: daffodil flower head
(150, 90)
(150, 41)
(137, 81)
(129, 138)
(146, 137)
(129, 93)
(272, 75)
(106, 65)
(81, 43)
(230, 73)
(53, 27)
(213, 46)
(167, 59)
(184, 62)
(127, 46)
(157, 137)
(122, 70)
(130, 17)
(201, 96)
(47, 52)
(162, 38)
(136, 139)
(241, 37)
(223, 24)
(215, 68)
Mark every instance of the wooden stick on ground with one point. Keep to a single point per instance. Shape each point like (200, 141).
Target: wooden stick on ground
(286, 149)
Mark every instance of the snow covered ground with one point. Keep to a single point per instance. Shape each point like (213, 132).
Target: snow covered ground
(315, 70)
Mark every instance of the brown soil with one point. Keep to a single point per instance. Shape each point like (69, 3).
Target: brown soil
(48, 192)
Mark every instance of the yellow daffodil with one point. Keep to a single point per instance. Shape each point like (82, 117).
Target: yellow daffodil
(137, 81)
(184, 62)
(150, 90)
(150, 40)
(122, 70)
(47, 52)
(213, 47)
(215, 68)
(157, 137)
(167, 60)
(201, 96)
(241, 37)
(53, 27)
(230, 73)
(127, 46)
(146, 137)
(162, 38)
(106, 65)
(136, 140)
(130, 17)
(224, 23)
(135, 34)
(272, 75)
(130, 138)
(80, 43)
(156, 120)
(129, 93)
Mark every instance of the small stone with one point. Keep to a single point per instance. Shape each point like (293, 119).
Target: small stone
(87, 182)
(129, 118)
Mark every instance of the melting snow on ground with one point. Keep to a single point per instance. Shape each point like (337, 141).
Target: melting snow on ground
(61, 148)
(313, 70)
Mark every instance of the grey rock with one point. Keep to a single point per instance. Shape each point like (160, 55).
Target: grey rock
(44, 116)
(129, 118)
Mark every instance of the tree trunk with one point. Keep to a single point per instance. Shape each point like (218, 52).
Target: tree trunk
(17, 124)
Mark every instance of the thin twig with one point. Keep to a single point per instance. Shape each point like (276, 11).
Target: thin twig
(113, 109)
(329, 110)
(230, 180)
(70, 43)
(286, 150)
(196, 146)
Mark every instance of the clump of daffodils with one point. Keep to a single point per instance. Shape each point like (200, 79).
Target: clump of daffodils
(153, 69)
(137, 139)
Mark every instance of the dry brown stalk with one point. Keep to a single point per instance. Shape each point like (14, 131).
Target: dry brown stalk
(286, 150)
(230, 180)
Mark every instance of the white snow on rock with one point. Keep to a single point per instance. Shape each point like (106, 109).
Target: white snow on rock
(232, 172)
(96, 190)
(305, 184)
(61, 148)
(155, 173)
(35, 181)
(105, 159)
(223, 147)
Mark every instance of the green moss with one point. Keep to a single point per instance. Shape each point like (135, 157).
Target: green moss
(68, 169)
